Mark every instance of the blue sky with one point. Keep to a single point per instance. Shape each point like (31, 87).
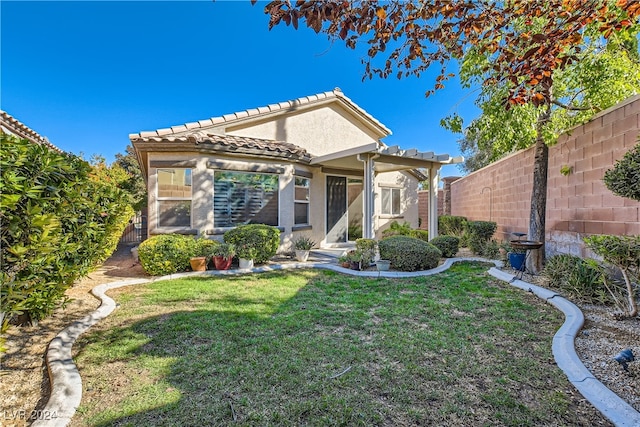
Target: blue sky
(87, 74)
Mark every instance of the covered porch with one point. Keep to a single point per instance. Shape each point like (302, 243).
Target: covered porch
(368, 162)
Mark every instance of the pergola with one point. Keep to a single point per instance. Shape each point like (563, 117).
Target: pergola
(374, 158)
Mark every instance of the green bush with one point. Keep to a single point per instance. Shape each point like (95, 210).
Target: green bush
(205, 247)
(420, 234)
(397, 229)
(451, 225)
(624, 253)
(367, 249)
(61, 217)
(167, 253)
(448, 245)
(254, 241)
(408, 253)
(624, 179)
(580, 279)
(478, 235)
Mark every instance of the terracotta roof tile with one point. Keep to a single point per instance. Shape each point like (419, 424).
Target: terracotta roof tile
(229, 142)
(13, 126)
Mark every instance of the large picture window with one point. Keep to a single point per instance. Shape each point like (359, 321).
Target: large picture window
(244, 198)
(301, 202)
(390, 203)
(174, 197)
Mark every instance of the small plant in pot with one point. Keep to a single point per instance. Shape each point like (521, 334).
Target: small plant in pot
(246, 255)
(198, 261)
(355, 260)
(344, 261)
(302, 246)
(223, 255)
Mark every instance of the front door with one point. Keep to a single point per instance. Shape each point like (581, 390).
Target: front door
(337, 218)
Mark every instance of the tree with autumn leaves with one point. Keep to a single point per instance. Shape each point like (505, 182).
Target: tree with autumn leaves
(524, 45)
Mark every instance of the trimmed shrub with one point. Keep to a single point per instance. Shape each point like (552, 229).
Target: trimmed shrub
(167, 253)
(478, 235)
(420, 234)
(205, 247)
(583, 280)
(451, 225)
(61, 217)
(624, 179)
(448, 245)
(408, 253)
(259, 242)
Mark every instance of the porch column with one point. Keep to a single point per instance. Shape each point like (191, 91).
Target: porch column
(433, 201)
(368, 189)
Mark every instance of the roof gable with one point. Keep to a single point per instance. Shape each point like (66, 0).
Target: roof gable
(272, 112)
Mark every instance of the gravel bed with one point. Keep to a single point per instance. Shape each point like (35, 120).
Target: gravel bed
(600, 340)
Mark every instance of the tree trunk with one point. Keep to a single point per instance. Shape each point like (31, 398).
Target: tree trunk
(537, 215)
(633, 307)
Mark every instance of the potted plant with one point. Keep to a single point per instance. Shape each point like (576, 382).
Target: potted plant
(383, 264)
(223, 255)
(344, 261)
(302, 246)
(355, 260)
(246, 255)
(199, 260)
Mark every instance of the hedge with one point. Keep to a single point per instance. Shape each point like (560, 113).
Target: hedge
(60, 218)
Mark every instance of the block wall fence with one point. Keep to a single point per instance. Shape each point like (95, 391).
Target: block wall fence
(578, 204)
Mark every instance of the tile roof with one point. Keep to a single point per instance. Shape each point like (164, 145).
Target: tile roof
(13, 126)
(254, 112)
(232, 143)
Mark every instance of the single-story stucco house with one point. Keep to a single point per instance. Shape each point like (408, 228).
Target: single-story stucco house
(315, 166)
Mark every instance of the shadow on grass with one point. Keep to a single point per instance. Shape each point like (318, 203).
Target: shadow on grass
(326, 349)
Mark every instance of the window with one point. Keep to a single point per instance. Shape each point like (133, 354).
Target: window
(244, 198)
(174, 197)
(390, 201)
(301, 202)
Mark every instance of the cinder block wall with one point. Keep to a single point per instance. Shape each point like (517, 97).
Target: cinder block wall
(423, 207)
(578, 204)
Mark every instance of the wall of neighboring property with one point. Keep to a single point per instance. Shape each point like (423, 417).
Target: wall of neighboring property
(578, 204)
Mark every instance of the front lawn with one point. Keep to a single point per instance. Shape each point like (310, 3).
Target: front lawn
(313, 347)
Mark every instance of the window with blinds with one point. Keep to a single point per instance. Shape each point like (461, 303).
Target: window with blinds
(245, 198)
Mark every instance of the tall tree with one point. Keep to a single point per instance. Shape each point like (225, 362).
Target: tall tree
(527, 43)
(135, 185)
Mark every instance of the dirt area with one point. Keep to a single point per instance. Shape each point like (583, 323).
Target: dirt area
(24, 384)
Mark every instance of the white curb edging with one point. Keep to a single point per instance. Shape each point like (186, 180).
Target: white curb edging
(607, 402)
(66, 384)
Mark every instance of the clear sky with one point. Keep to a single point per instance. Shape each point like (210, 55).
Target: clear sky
(87, 74)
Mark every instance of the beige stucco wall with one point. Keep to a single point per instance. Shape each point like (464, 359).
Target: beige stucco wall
(202, 197)
(320, 131)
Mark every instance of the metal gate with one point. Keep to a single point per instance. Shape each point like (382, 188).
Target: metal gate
(135, 232)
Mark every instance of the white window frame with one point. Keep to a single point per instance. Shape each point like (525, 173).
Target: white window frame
(388, 209)
(189, 181)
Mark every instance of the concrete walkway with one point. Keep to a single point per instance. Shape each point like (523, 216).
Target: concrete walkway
(66, 384)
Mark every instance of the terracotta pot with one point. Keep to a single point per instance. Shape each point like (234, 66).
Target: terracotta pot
(222, 263)
(198, 263)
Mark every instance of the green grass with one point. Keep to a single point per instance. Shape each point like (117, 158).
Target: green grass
(320, 348)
